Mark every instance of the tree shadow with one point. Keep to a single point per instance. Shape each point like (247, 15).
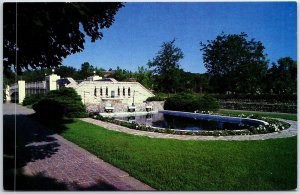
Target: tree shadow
(40, 182)
(34, 141)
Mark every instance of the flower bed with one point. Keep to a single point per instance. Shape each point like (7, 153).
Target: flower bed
(272, 126)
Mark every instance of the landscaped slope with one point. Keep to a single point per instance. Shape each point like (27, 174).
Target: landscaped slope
(193, 165)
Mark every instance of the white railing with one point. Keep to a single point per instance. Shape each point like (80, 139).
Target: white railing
(36, 85)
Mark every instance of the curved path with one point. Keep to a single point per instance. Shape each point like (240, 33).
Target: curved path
(291, 131)
(51, 157)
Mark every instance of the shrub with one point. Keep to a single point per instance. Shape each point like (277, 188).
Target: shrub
(190, 102)
(32, 99)
(207, 102)
(49, 108)
(68, 99)
(155, 98)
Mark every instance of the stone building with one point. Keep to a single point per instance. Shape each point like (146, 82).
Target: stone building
(99, 94)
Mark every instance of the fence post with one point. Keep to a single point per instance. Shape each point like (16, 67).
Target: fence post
(21, 90)
(7, 93)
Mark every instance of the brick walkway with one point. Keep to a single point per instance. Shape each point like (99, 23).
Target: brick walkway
(292, 131)
(49, 155)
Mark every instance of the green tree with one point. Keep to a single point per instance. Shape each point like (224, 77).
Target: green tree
(193, 82)
(121, 74)
(235, 63)
(66, 71)
(85, 71)
(144, 76)
(35, 75)
(282, 77)
(49, 32)
(166, 67)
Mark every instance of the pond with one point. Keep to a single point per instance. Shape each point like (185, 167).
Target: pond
(163, 120)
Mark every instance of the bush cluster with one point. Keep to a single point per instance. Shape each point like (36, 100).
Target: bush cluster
(32, 99)
(189, 102)
(155, 98)
(49, 108)
(59, 103)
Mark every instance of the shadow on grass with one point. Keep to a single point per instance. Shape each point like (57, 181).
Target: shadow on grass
(54, 124)
(34, 142)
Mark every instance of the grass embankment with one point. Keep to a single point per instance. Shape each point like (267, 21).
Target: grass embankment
(167, 164)
(287, 116)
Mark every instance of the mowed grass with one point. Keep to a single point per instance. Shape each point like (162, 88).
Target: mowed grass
(167, 164)
(287, 116)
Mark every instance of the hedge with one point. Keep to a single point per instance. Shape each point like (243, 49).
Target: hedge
(67, 98)
(265, 107)
(189, 102)
(32, 99)
(272, 98)
(49, 108)
(155, 98)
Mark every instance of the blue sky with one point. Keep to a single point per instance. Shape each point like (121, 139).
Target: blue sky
(140, 28)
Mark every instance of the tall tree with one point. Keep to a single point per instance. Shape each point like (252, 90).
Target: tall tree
(66, 71)
(235, 63)
(144, 76)
(85, 71)
(42, 34)
(166, 67)
(282, 77)
(121, 74)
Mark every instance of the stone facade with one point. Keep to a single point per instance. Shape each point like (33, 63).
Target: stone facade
(119, 107)
(98, 93)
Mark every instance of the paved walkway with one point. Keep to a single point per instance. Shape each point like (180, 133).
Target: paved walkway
(292, 131)
(49, 155)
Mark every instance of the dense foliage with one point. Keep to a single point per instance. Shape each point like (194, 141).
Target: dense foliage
(232, 61)
(49, 108)
(32, 99)
(65, 99)
(281, 78)
(155, 98)
(190, 102)
(166, 67)
(50, 32)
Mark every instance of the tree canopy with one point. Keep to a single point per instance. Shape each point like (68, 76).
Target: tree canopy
(166, 67)
(42, 34)
(282, 77)
(233, 60)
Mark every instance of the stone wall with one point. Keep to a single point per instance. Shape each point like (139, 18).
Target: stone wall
(120, 107)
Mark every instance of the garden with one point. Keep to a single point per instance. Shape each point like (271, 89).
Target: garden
(170, 165)
(176, 165)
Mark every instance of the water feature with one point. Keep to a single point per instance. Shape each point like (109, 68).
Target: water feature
(167, 120)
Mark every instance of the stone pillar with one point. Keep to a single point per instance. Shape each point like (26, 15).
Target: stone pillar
(21, 91)
(51, 82)
(7, 94)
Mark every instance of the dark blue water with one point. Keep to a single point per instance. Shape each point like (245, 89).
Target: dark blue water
(184, 123)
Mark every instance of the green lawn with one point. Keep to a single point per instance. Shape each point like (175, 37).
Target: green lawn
(167, 164)
(287, 116)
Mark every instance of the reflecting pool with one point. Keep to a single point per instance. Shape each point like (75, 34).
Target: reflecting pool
(183, 123)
